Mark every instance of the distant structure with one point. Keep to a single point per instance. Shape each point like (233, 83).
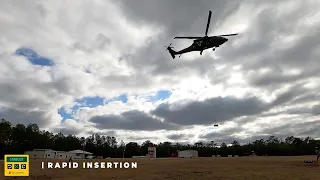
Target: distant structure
(52, 154)
(41, 153)
(152, 152)
(253, 154)
(62, 155)
(188, 154)
(80, 154)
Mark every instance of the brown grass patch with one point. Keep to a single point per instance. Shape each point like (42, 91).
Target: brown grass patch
(240, 168)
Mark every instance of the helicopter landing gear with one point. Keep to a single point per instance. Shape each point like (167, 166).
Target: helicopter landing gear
(213, 49)
(201, 52)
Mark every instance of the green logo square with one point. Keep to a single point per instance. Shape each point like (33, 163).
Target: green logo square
(16, 166)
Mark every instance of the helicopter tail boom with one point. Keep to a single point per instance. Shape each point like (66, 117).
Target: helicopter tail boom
(172, 52)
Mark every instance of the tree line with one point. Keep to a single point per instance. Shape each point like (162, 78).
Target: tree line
(20, 138)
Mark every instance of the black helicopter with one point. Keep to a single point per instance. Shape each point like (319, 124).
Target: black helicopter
(201, 43)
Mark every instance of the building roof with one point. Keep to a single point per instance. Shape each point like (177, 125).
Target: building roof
(78, 151)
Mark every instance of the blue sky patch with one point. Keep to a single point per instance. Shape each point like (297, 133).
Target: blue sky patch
(84, 102)
(123, 98)
(160, 95)
(90, 102)
(34, 57)
(95, 101)
(64, 114)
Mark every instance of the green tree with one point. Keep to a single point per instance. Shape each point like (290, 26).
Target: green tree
(21, 138)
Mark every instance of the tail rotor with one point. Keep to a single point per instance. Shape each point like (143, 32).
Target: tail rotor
(171, 51)
(167, 47)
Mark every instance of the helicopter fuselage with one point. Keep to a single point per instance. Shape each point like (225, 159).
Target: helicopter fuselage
(204, 43)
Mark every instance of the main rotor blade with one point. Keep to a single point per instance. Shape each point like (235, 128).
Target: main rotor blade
(192, 37)
(229, 34)
(208, 23)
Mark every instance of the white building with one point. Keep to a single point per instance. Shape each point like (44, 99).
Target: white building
(79, 154)
(62, 155)
(41, 153)
(49, 153)
(187, 154)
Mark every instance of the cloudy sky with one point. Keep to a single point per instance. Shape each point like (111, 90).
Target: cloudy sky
(96, 66)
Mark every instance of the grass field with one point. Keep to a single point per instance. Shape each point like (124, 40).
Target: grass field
(240, 168)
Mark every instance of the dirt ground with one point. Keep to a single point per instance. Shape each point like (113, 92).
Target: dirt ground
(237, 168)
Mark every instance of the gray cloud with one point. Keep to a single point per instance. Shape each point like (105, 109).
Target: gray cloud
(13, 93)
(276, 77)
(209, 111)
(214, 110)
(289, 95)
(131, 120)
(297, 129)
(316, 109)
(66, 131)
(223, 136)
(221, 109)
(268, 28)
(186, 17)
(300, 129)
(277, 38)
(310, 129)
(308, 97)
(25, 117)
(263, 51)
(179, 18)
(299, 111)
(143, 138)
(180, 137)
(101, 42)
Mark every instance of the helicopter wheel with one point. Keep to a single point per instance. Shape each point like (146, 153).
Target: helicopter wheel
(213, 49)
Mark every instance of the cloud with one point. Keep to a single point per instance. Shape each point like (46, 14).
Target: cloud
(177, 137)
(214, 110)
(316, 109)
(91, 102)
(68, 67)
(131, 120)
(26, 117)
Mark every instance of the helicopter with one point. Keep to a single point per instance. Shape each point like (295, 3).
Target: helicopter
(201, 43)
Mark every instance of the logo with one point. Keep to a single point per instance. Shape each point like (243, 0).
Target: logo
(16, 165)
